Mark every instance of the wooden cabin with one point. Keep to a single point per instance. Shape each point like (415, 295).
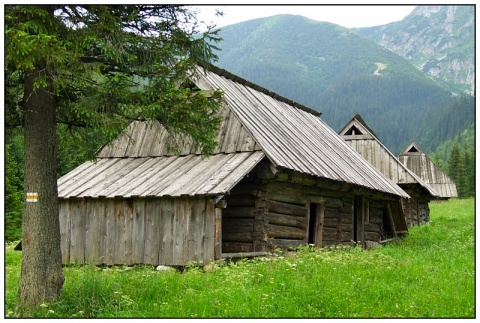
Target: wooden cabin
(418, 162)
(362, 138)
(279, 178)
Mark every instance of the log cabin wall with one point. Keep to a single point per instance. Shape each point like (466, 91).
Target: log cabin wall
(285, 223)
(423, 211)
(410, 217)
(286, 227)
(338, 221)
(242, 219)
(152, 231)
(289, 201)
(374, 222)
(416, 209)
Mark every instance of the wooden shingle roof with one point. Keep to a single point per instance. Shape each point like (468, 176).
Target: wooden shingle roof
(158, 176)
(293, 137)
(289, 134)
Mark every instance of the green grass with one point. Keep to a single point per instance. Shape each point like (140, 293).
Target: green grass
(428, 274)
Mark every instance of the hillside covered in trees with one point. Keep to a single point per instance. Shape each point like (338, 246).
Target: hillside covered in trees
(340, 73)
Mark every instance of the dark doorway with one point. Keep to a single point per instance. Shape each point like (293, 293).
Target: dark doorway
(315, 224)
(359, 220)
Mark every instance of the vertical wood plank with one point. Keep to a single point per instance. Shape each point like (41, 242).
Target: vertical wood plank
(208, 231)
(177, 205)
(180, 232)
(102, 207)
(162, 230)
(110, 232)
(138, 231)
(320, 214)
(197, 221)
(158, 207)
(119, 252)
(151, 253)
(202, 214)
(128, 237)
(367, 212)
(390, 219)
(78, 231)
(216, 215)
(91, 232)
(208, 239)
(167, 239)
(187, 231)
(307, 216)
(360, 219)
(65, 230)
(86, 227)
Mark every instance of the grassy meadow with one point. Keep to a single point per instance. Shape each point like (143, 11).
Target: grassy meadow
(428, 274)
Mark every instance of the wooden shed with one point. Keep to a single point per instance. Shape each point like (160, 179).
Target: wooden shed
(418, 161)
(279, 178)
(362, 138)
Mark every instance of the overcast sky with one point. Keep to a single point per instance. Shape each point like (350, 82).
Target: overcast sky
(344, 15)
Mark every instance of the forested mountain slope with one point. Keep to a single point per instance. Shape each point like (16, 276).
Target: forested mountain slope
(340, 73)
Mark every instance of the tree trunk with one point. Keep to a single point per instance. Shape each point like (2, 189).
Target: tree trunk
(41, 277)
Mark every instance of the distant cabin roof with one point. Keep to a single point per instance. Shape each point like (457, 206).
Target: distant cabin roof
(418, 161)
(289, 134)
(357, 130)
(347, 129)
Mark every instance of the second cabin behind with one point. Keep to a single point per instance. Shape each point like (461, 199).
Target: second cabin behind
(362, 138)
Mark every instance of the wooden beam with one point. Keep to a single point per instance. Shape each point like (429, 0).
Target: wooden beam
(289, 220)
(390, 219)
(244, 254)
(320, 213)
(218, 234)
(229, 247)
(285, 208)
(359, 219)
(284, 243)
(280, 231)
(307, 216)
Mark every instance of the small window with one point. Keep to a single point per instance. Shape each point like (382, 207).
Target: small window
(190, 85)
(353, 131)
(413, 150)
(366, 211)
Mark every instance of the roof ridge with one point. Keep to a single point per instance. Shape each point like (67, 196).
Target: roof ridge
(222, 72)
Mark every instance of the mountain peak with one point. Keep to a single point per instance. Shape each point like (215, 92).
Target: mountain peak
(438, 40)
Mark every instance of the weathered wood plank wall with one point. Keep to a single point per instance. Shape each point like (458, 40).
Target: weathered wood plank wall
(387, 164)
(132, 231)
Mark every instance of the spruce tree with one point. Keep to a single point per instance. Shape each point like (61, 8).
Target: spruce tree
(454, 167)
(98, 67)
(468, 158)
